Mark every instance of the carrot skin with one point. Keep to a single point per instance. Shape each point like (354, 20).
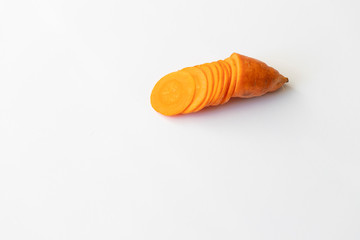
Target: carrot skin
(256, 77)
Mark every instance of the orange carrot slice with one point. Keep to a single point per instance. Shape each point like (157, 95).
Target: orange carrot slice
(215, 73)
(226, 99)
(242, 87)
(226, 81)
(210, 85)
(173, 93)
(218, 94)
(200, 89)
(233, 78)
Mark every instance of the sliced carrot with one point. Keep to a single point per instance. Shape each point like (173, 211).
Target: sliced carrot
(215, 81)
(191, 89)
(233, 80)
(218, 94)
(237, 64)
(173, 93)
(242, 86)
(215, 73)
(200, 89)
(227, 81)
(210, 82)
(225, 75)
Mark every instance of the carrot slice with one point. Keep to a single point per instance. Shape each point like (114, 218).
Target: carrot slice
(210, 85)
(173, 93)
(213, 80)
(226, 81)
(226, 97)
(242, 86)
(215, 73)
(218, 94)
(200, 89)
(233, 78)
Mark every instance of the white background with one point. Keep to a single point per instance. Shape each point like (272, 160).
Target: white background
(84, 156)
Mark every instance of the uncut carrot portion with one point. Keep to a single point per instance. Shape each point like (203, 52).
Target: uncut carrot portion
(255, 78)
(227, 96)
(233, 78)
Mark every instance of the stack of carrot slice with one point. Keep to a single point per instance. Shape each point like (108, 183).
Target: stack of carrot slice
(194, 88)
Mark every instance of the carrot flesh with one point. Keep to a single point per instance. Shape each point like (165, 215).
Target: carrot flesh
(173, 93)
(233, 79)
(215, 74)
(226, 82)
(218, 94)
(200, 89)
(239, 84)
(210, 82)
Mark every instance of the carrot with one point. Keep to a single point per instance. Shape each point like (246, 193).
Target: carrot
(220, 79)
(215, 73)
(256, 78)
(233, 78)
(227, 96)
(200, 89)
(191, 89)
(210, 81)
(173, 93)
(225, 82)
